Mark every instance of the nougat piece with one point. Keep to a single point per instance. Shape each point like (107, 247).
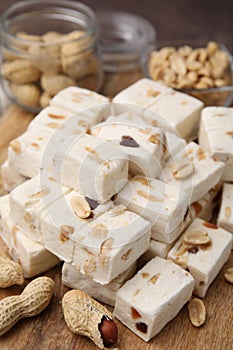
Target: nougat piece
(25, 153)
(88, 102)
(92, 161)
(53, 118)
(225, 216)
(10, 177)
(165, 206)
(73, 278)
(193, 170)
(216, 136)
(50, 117)
(204, 207)
(142, 93)
(109, 245)
(143, 146)
(60, 221)
(153, 297)
(32, 256)
(28, 200)
(203, 249)
(181, 111)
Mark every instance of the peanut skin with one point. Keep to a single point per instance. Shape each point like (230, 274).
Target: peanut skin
(10, 272)
(33, 300)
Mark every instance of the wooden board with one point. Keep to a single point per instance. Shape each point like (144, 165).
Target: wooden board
(48, 330)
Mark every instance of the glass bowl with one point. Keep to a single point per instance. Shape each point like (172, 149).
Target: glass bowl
(46, 48)
(219, 96)
(211, 96)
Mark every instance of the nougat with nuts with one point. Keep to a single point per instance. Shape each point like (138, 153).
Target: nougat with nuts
(203, 249)
(153, 297)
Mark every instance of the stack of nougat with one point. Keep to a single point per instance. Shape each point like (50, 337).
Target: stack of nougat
(111, 188)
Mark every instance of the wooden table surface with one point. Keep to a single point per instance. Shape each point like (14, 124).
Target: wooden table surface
(175, 21)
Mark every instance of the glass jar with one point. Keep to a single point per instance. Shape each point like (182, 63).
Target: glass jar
(46, 47)
(126, 40)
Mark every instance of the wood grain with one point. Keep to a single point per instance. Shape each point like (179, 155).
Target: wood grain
(48, 330)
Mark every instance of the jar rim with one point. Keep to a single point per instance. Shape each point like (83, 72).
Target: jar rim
(92, 29)
(131, 33)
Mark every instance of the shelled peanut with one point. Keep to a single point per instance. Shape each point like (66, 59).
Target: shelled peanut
(187, 68)
(32, 301)
(40, 66)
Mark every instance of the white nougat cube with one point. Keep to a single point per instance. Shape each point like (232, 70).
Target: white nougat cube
(10, 177)
(204, 261)
(60, 221)
(163, 205)
(109, 245)
(32, 256)
(204, 207)
(91, 166)
(77, 99)
(216, 136)
(28, 200)
(153, 297)
(193, 170)
(72, 278)
(225, 217)
(142, 93)
(25, 153)
(143, 146)
(50, 117)
(181, 111)
(69, 121)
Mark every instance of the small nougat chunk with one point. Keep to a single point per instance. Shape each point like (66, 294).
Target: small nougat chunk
(204, 207)
(181, 112)
(73, 278)
(28, 200)
(142, 93)
(64, 218)
(144, 146)
(153, 297)
(193, 170)
(203, 249)
(76, 99)
(93, 167)
(25, 153)
(109, 245)
(216, 136)
(32, 256)
(165, 206)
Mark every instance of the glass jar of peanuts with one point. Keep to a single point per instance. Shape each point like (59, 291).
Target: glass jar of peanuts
(126, 41)
(203, 72)
(46, 47)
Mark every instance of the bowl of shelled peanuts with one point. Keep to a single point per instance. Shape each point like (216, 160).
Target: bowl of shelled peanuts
(205, 72)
